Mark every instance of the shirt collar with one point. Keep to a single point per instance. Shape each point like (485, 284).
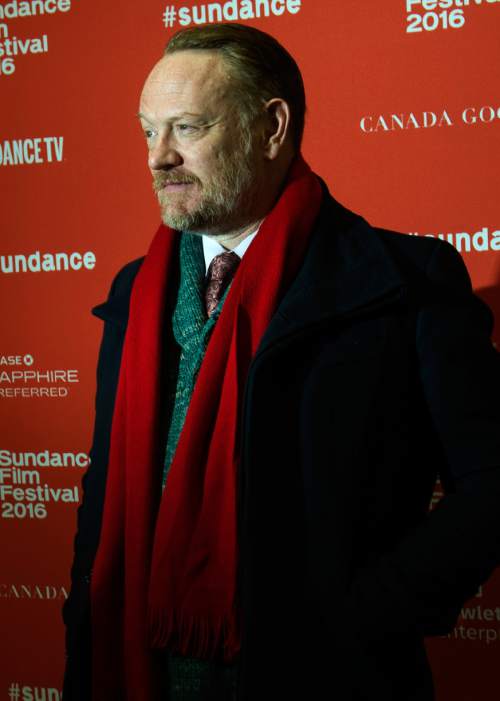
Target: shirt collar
(212, 248)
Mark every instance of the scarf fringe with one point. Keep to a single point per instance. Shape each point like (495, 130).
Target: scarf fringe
(202, 637)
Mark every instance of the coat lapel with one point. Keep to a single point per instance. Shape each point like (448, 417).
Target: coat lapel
(347, 270)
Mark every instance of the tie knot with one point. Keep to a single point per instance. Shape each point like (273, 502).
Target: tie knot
(220, 273)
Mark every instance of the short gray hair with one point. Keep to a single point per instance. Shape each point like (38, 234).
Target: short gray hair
(260, 67)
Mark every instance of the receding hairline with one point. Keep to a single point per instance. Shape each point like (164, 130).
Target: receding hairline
(220, 60)
(226, 85)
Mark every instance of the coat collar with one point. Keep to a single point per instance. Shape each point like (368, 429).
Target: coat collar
(346, 271)
(116, 308)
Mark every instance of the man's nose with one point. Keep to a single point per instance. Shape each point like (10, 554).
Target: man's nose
(163, 154)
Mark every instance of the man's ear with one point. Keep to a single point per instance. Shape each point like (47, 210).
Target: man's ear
(277, 127)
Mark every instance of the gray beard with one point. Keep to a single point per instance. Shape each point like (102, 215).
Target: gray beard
(225, 201)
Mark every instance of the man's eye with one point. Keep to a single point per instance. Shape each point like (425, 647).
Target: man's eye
(186, 128)
(148, 133)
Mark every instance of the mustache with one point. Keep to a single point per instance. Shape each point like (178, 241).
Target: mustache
(162, 179)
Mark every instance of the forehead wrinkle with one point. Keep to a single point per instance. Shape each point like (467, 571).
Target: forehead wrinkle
(195, 80)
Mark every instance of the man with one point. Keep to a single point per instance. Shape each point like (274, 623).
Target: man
(265, 449)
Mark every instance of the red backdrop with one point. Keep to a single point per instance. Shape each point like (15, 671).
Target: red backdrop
(404, 125)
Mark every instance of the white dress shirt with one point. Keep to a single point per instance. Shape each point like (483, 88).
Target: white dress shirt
(212, 248)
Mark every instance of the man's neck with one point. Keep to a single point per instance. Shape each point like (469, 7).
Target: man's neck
(233, 238)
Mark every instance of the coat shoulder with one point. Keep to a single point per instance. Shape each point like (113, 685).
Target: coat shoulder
(413, 258)
(409, 250)
(429, 258)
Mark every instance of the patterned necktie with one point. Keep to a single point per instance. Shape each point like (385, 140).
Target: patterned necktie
(220, 273)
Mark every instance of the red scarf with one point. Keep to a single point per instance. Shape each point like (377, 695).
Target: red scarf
(165, 569)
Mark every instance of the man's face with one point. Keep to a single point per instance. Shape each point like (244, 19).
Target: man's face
(205, 172)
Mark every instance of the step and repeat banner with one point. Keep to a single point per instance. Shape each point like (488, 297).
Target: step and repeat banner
(403, 124)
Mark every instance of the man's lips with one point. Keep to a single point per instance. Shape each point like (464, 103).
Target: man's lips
(172, 185)
(175, 187)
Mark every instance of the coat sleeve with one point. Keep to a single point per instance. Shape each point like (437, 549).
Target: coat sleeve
(76, 610)
(422, 584)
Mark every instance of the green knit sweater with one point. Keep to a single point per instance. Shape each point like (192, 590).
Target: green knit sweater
(190, 679)
(192, 330)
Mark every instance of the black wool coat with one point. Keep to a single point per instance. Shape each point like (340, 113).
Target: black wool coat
(375, 376)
